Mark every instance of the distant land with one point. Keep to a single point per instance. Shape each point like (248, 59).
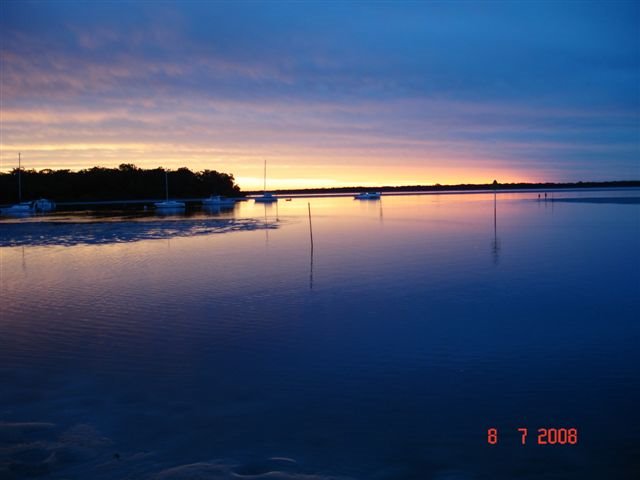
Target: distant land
(452, 188)
(130, 183)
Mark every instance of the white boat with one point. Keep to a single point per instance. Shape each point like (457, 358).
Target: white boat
(168, 204)
(218, 201)
(43, 205)
(22, 208)
(267, 197)
(368, 196)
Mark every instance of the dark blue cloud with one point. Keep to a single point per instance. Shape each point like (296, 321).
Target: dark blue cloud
(470, 50)
(578, 60)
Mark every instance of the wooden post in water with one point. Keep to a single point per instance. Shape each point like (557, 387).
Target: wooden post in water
(166, 185)
(310, 228)
(495, 217)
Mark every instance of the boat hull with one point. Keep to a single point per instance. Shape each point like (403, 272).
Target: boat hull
(218, 202)
(43, 205)
(368, 196)
(266, 198)
(19, 210)
(169, 205)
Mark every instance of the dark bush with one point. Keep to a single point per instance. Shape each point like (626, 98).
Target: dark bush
(126, 182)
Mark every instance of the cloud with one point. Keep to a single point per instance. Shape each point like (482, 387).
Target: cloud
(509, 85)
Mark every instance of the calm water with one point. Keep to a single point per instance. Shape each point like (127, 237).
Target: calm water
(218, 345)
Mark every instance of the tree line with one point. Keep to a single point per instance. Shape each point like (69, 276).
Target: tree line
(461, 187)
(127, 182)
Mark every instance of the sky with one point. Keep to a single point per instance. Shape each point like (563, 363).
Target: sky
(329, 93)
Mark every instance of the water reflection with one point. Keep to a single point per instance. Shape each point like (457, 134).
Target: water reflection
(266, 222)
(169, 211)
(495, 245)
(218, 209)
(310, 248)
(248, 355)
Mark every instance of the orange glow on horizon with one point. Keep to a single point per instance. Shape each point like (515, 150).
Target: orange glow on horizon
(284, 172)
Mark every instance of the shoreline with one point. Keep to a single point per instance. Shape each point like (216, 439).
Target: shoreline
(416, 189)
(387, 192)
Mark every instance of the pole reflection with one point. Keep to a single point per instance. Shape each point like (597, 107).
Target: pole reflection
(495, 244)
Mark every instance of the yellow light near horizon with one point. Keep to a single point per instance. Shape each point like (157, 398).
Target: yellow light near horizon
(291, 170)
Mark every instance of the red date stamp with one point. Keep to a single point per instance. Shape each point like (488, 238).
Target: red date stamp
(545, 436)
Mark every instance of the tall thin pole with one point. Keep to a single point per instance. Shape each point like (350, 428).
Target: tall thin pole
(264, 190)
(495, 214)
(310, 228)
(495, 246)
(19, 178)
(495, 217)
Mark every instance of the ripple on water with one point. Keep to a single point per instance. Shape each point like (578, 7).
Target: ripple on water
(36, 449)
(275, 468)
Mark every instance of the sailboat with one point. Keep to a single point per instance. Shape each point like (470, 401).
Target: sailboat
(168, 204)
(25, 208)
(267, 197)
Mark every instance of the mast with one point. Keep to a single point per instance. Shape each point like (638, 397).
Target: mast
(166, 184)
(19, 179)
(264, 190)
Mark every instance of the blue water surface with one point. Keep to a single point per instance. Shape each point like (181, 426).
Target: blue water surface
(225, 345)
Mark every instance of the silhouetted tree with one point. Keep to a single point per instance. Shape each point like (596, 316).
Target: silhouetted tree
(127, 182)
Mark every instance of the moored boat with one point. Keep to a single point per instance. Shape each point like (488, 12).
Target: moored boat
(168, 204)
(24, 208)
(218, 201)
(368, 196)
(43, 205)
(267, 197)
